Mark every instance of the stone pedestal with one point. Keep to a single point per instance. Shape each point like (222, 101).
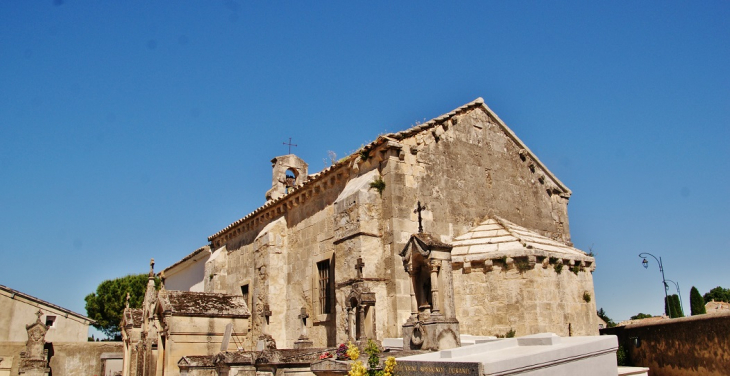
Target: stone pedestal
(436, 333)
(303, 343)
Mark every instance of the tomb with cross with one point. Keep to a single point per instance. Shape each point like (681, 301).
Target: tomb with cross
(303, 342)
(360, 306)
(34, 360)
(432, 324)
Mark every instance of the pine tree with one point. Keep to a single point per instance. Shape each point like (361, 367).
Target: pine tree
(696, 303)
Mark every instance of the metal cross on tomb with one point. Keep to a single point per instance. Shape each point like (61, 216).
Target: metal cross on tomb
(289, 144)
(418, 210)
(360, 264)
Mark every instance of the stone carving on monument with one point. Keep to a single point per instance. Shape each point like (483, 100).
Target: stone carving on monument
(432, 324)
(360, 307)
(34, 360)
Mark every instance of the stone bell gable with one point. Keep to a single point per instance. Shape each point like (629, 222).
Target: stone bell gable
(288, 172)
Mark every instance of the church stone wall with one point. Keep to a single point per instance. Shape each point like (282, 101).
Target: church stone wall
(463, 169)
(472, 168)
(534, 301)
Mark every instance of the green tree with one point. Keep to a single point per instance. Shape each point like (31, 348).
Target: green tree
(696, 303)
(717, 294)
(106, 305)
(640, 316)
(672, 305)
(602, 314)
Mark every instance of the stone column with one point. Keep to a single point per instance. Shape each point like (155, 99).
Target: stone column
(361, 324)
(448, 290)
(414, 301)
(351, 322)
(435, 264)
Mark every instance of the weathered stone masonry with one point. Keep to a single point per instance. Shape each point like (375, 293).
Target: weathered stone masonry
(465, 166)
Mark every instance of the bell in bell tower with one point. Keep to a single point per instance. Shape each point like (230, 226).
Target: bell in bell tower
(288, 171)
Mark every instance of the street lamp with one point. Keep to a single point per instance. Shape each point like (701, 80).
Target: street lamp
(681, 305)
(668, 307)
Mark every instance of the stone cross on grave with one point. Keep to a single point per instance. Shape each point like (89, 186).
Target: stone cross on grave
(303, 316)
(360, 264)
(303, 342)
(266, 312)
(127, 303)
(418, 210)
(289, 144)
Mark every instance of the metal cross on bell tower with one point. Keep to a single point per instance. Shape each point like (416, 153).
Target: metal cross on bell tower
(290, 144)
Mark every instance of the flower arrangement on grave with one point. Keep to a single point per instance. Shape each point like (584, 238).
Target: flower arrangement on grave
(325, 355)
(342, 352)
(358, 369)
(389, 368)
(353, 352)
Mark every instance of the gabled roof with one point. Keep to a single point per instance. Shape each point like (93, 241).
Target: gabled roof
(497, 237)
(133, 316)
(394, 137)
(425, 243)
(195, 253)
(188, 303)
(14, 294)
(204, 361)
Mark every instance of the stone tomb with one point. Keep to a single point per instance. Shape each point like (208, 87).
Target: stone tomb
(535, 355)
(432, 324)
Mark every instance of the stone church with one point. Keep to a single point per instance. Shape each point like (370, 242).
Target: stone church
(454, 218)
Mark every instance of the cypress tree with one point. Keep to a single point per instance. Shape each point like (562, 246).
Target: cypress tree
(697, 304)
(677, 306)
(672, 306)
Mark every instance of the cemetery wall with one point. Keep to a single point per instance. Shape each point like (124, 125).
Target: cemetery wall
(67, 358)
(689, 346)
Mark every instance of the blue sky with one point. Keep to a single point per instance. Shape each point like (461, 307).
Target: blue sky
(136, 129)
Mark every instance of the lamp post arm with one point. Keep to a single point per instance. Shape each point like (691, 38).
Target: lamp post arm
(668, 308)
(681, 304)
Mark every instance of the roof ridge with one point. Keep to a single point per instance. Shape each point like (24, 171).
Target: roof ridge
(519, 142)
(397, 136)
(509, 230)
(41, 301)
(380, 139)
